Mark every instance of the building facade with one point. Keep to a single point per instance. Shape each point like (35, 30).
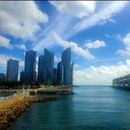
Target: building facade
(2, 77)
(12, 70)
(48, 67)
(30, 67)
(41, 69)
(22, 76)
(66, 60)
(55, 76)
(60, 73)
(72, 66)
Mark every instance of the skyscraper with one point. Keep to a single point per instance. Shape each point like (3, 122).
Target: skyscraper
(2, 77)
(30, 67)
(41, 69)
(48, 67)
(60, 73)
(22, 77)
(55, 76)
(72, 66)
(12, 70)
(66, 60)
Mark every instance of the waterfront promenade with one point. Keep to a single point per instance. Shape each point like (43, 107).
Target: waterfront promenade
(14, 105)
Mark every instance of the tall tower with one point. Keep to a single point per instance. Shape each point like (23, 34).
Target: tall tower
(72, 66)
(30, 67)
(41, 69)
(48, 67)
(22, 79)
(66, 60)
(12, 70)
(55, 76)
(60, 73)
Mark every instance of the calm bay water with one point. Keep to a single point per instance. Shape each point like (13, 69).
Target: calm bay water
(90, 108)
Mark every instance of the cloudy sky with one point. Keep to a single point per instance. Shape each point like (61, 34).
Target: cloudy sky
(97, 32)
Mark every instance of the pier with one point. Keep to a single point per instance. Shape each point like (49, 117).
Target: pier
(122, 82)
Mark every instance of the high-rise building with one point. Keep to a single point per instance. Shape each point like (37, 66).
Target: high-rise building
(52, 67)
(55, 76)
(30, 67)
(72, 65)
(12, 70)
(2, 77)
(60, 73)
(41, 69)
(22, 77)
(48, 67)
(66, 60)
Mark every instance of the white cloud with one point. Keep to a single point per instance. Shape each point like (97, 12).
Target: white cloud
(125, 52)
(5, 58)
(21, 46)
(5, 42)
(101, 75)
(55, 39)
(69, 26)
(3, 63)
(21, 18)
(128, 61)
(126, 40)
(21, 63)
(76, 66)
(57, 59)
(103, 14)
(95, 44)
(42, 43)
(75, 8)
(75, 48)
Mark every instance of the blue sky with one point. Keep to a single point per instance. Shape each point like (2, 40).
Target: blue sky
(97, 31)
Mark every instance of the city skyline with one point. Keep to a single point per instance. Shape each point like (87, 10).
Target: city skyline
(97, 31)
(46, 73)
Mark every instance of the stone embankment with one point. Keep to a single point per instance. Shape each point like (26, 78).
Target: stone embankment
(52, 90)
(14, 107)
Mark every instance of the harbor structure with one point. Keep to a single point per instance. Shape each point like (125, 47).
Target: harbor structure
(122, 82)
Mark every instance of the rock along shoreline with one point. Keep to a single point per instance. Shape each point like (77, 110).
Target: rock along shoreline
(11, 109)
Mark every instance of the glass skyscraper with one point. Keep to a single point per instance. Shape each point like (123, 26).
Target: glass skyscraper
(41, 69)
(12, 70)
(72, 66)
(2, 77)
(48, 67)
(30, 67)
(66, 60)
(22, 76)
(55, 76)
(60, 73)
